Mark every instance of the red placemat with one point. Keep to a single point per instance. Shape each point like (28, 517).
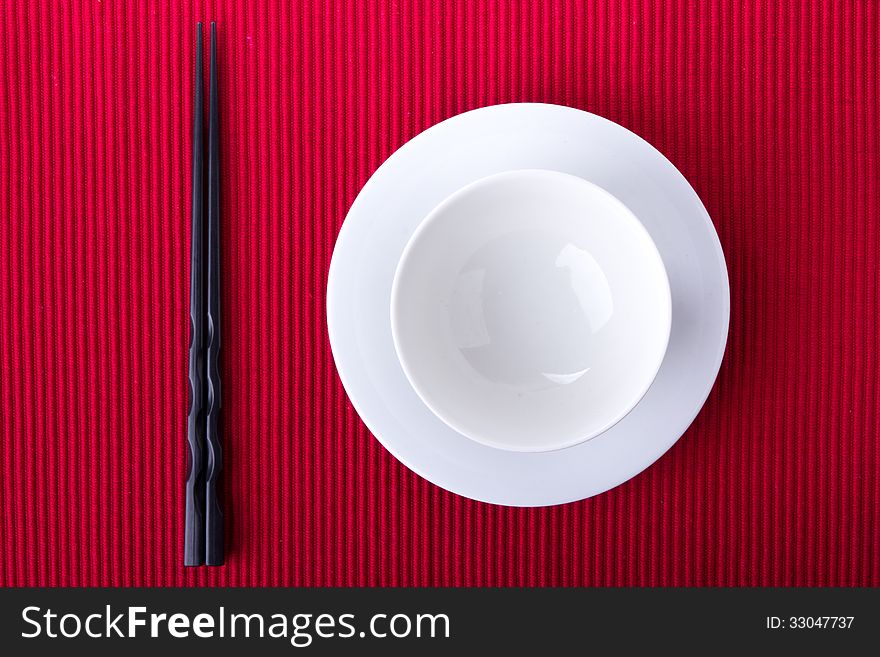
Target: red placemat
(768, 108)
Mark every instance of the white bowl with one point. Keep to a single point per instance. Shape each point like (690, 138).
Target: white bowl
(530, 310)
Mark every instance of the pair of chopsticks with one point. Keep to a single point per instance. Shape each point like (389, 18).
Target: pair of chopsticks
(203, 535)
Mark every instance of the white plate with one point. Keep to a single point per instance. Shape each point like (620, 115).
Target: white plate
(452, 154)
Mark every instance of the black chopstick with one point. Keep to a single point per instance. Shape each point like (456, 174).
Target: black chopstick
(214, 463)
(194, 532)
(203, 533)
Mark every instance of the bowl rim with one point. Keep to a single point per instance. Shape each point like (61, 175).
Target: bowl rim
(410, 246)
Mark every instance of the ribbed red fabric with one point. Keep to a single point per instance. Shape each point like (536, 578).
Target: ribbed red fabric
(770, 109)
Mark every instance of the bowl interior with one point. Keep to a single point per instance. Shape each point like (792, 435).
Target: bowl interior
(530, 310)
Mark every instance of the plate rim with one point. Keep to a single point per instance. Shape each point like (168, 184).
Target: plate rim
(453, 123)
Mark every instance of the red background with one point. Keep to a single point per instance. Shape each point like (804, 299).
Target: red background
(770, 110)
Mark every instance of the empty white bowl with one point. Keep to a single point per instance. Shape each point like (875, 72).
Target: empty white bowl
(530, 310)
